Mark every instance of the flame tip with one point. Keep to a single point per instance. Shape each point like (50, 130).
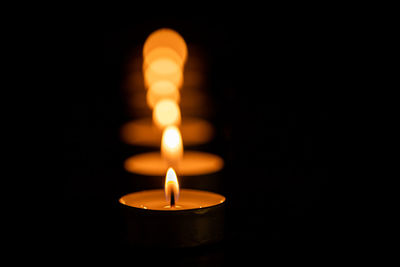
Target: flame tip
(171, 185)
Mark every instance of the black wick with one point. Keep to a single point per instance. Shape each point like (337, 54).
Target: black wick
(172, 199)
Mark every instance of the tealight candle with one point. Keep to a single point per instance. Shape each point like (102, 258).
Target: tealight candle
(173, 217)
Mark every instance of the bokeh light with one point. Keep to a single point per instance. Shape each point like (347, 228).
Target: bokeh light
(166, 113)
(166, 38)
(162, 90)
(163, 70)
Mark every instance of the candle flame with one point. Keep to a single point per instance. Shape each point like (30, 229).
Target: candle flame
(171, 185)
(171, 145)
(165, 113)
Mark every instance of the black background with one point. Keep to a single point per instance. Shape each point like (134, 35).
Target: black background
(271, 81)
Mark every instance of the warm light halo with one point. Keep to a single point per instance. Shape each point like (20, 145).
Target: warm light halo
(162, 90)
(166, 37)
(166, 112)
(171, 145)
(171, 185)
(193, 163)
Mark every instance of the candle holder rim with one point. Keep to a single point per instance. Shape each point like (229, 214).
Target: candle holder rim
(180, 175)
(176, 211)
(203, 209)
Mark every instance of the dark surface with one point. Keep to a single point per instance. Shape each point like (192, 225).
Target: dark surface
(271, 82)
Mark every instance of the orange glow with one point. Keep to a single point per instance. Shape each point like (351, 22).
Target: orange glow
(163, 70)
(193, 163)
(166, 38)
(171, 145)
(163, 66)
(143, 132)
(165, 113)
(171, 185)
(162, 90)
(162, 53)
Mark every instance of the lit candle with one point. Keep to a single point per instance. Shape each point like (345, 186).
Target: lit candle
(173, 217)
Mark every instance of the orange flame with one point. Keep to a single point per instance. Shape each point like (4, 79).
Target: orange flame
(171, 185)
(171, 145)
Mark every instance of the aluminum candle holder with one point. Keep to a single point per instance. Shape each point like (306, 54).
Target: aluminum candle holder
(194, 218)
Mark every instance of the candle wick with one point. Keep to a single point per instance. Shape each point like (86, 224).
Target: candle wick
(172, 203)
